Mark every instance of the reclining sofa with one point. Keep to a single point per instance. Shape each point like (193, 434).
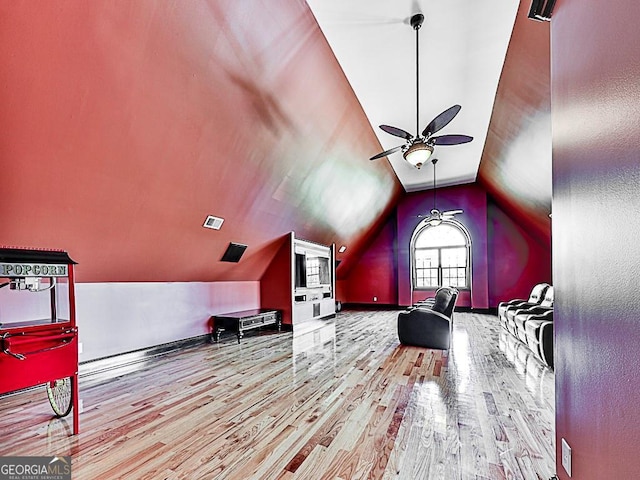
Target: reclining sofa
(531, 321)
(535, 297)
(428, 323)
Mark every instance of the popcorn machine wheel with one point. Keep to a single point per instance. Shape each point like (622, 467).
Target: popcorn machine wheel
(38, 333)
(60, 393)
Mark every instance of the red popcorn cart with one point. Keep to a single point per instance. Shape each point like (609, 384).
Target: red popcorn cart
(38, 333)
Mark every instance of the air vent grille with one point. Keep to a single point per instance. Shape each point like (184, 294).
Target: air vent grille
(213, 222)
(233, 253)
(541, 10)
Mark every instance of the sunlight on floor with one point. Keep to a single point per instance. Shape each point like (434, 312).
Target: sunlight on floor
(461, 359)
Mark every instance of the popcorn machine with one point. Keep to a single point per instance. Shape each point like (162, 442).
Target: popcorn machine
(38, 333)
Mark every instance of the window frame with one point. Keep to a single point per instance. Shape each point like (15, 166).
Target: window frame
(420, 228)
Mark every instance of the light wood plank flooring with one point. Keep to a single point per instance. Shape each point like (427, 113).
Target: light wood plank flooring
(344, 401)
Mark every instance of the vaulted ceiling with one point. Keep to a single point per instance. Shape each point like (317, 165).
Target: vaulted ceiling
(516, 162)
(461, 46)
(488, 57)
(126, 124)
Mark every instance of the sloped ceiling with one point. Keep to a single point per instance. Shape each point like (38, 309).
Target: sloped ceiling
(126, 123)
(516, 163)
(462, 48)
(506, 107)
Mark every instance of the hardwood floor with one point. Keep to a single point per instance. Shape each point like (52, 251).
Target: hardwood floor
(344, 401)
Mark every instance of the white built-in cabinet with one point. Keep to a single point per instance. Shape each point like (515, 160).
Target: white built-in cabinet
(313, 278)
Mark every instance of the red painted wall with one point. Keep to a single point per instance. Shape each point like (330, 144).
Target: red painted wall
(596, 170)
(341, 290)
(507, 260)
(471, 199)
(517, 260)
(127, 123)
(375, 273)
(276, 285)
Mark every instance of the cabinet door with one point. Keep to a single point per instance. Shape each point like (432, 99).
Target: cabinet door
(327, 307)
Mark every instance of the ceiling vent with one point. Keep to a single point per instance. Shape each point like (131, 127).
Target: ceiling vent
(541, 10)
(234, 252)
(213, 222)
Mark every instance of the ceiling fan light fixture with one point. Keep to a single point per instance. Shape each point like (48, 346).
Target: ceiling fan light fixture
(420, 148)
(418, 154)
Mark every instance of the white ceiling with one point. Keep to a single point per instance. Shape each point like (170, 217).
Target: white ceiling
(462, 49)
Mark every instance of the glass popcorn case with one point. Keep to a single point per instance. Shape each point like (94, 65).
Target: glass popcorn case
(38, 333)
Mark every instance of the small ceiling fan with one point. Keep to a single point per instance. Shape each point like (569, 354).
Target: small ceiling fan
(419, 148)
(436, 217)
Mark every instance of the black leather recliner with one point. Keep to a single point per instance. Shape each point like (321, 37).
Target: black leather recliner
(532, 325)
(535, 298)
(429, 326)
(516, 316)
(539, 336)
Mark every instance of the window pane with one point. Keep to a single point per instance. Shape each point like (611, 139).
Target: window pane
(454, 277)
(427, 278)
(454, 263)
(426, 267)
(441, 236)
(454, 257)
(313, 271)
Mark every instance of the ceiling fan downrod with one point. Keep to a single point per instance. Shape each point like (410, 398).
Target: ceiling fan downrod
(416, 23)
(418, 148)
(434, 161)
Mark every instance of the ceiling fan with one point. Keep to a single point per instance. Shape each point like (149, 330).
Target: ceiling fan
(419, 148)
(436, 217)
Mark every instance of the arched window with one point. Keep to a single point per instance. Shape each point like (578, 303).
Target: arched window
(441, 255)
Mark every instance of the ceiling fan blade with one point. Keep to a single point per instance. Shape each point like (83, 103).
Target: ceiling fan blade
(386, 152)
(431, 218)
(398, 132)
(441, 120)
(435, 213)
(451, 139)
(451, 213)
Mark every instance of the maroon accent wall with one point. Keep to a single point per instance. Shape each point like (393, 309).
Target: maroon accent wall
(471, 199)
(507, 259)
(276, 285)
(517, 260)
(127, 123)
(375, 273)
(596, 170)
